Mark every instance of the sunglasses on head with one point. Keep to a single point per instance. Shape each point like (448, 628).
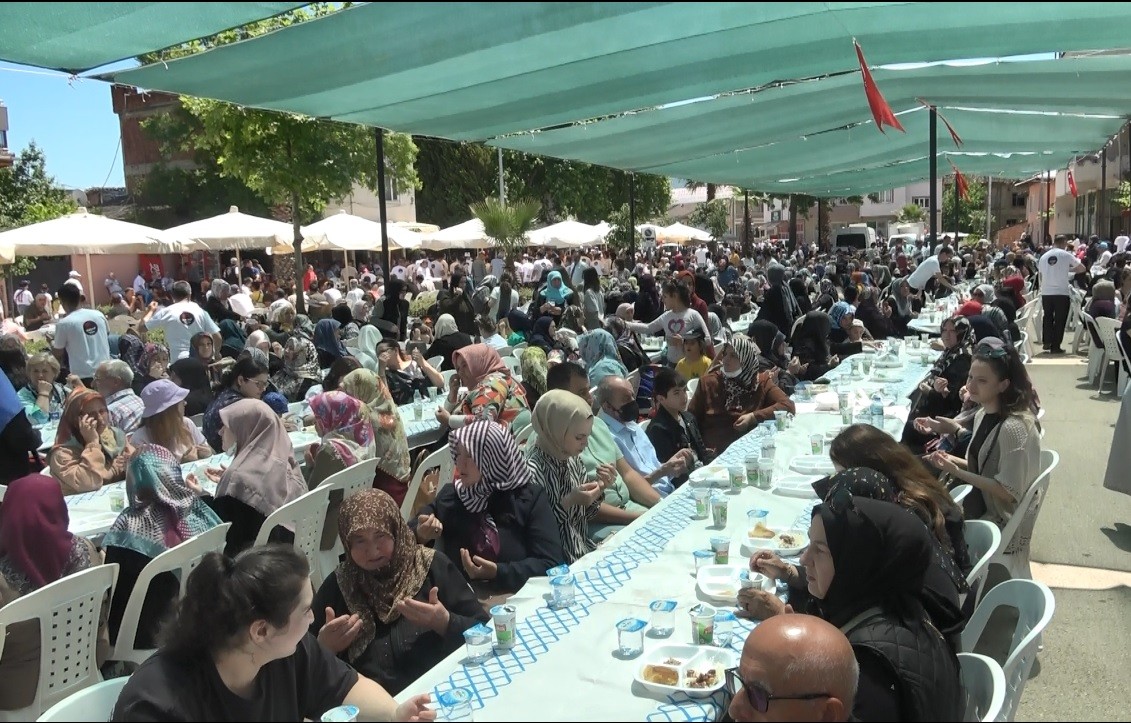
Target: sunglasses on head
(992, 348)
(757, 696)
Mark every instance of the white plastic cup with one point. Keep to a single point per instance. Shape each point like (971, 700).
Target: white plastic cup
(765, 472)
(702, 624)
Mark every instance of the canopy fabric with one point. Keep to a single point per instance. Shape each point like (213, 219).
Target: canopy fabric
(239, 231)
(466, 235)
(343, 231)
(494, 69)
(682, 233)
(88, 233)
(73, 37)
(568, 234)
(417, 227)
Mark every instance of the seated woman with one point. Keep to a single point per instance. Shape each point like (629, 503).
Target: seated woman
(162, 512)
(631, 354)
(42, 397)
(343, 423)
(150, 365)
(344, 316)
(262, 477)
(1104, 303)
(38, 314)
(328, 342)
(192, 376)
(811, 346)
(542, 335)
(246, 379)
(35, 550)
(368, 339)
(841, 316)
(233, 338)
(492, 393)
(552, 298)
(598, 353)
(563, 421)
(497, 524)
(520, 327)
(300, 362)
(88, 452)
(863, 572)
(405, 375)
(771, 355)
(205, 669)
(488, 332)
(875, 319)
(390, 444)
(19, 442)
(938, 394)
(1004, 456)
(164, 423)
(734, 398)
(448, 340)
(411, 602)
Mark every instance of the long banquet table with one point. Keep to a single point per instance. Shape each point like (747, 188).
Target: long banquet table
(566, 665)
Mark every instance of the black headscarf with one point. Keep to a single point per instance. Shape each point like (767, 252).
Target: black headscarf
(767, 336)
(648, 304)
(811, 340)
(194, 377)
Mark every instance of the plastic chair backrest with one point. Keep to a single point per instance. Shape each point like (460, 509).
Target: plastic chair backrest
(447, 379)
(983, 539)
(506, 351)
(306, 514)
(1124, 360)
(959, 493)
(342, 485)
(182, 560)
(984, 682)
(1035, 607)
(198, 420)
(512, 364)
(68, 611)
(89, 705)
(1090, 322)
(1031, 500)
(441, 458)
(523, 435)
(692, 385)
(1108, 329)
(436, 362)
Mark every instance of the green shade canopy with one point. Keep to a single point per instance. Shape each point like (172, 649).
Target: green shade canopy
(473, 71)
(77, 36)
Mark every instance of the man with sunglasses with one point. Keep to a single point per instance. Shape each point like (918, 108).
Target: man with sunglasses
(794, 668)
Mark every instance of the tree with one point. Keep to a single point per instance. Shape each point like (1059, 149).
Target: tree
(966, 215)
(911, 213)
(712, 188)
(452, 177)
(169, 196)
(506, 223)
(290, 161)
(28, 195)
(712, 216)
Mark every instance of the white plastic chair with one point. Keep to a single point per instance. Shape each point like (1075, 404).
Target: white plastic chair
(1035, 606)
(521, 345)
(306, 515)
(181, 559)
(506, 351)
(68, 611)
(435, 361)
(512, 364)
(983, 539)
(348, 482)
(198, 420)
(441, 458)
(644, 425)
(1124, 365)
(959, 493)
(984, 682)
(692, 385)
(90, 705)
(1108, 330)
(447, 378)
(523, 435)
(1018, 562)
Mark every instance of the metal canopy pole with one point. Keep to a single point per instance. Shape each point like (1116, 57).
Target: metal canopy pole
(502, 186)
(934, 152)
(385, 265)
(1103, 223)
(989, 204)
(632, 217)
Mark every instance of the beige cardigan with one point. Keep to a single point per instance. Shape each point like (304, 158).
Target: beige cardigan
(85, 470)
(1011, 455)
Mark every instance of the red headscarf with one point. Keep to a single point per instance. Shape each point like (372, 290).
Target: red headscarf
(33, 529)
(1016, 286)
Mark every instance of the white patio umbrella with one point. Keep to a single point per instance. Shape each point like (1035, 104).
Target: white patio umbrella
(235, 231)
(682, 233)
(568, 233)
(345, 232)
(417, 226)
(466, 235)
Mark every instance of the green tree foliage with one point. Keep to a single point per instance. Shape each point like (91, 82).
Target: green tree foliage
(453, 176)
(507, 223)
(966, 215)
(711, 216)
(28, 195)
(169, 196)
(911, 213)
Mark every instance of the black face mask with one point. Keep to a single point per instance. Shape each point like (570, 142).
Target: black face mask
(629, 412)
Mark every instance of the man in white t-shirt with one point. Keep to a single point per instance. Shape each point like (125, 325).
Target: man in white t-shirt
(181, 321)
(23, 298)
(73, 279)
(1056, 268)
(81, 337)
(931, 268)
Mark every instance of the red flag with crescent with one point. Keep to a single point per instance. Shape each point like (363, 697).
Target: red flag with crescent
(882, 113)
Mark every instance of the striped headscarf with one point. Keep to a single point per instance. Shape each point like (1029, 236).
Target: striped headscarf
(493, 449)
(747, 379)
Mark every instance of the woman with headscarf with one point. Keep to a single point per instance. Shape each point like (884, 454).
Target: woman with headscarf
(492, 393)
(648, 303)
(150, 365)
(390, 444)
(456, 302)
(771, 355)
(36, 549)
(599, 354)
(801, 294)
(344, 316)
(563, 422)
(88, 452)
(262, 477)
(246, 379)
(497, 524)
(731, 400)
(779, 306)
(520, 326)
(448, 339)
(367, 340)
(345, 427)
(841, 316)
(1014, 288)
(202, 347)
(938, 394)
(328, 342)
(875, 320)
(629, 351)
(542, 336)
(233, 338)
(162, 511)
(390, 312)
(394, 608)
(300, 362)
(864, 572)
(900, 296)
(503, 299)
(217, 304)
(533, 366)
(811, 346)
(190, 374)
(552, 299)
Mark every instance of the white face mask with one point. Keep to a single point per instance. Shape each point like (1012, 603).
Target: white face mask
(730, 374)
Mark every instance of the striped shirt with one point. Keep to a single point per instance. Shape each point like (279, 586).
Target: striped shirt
(125, 409)
(558, 478)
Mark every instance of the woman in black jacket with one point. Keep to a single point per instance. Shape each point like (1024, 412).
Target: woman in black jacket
(390, 313)
(938, 394)
(456, 301)
(811, 346)
(496, 526)
(448, 339)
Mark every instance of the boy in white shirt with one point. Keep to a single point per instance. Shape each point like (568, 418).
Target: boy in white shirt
(181, 321)
(81, 337)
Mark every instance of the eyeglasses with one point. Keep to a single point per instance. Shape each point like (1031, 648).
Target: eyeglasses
(758, 697)
(992, 348)
(261, 383)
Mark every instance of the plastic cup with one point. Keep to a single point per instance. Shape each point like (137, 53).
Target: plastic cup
(663, 617)
(780, 420)
(630, 637)
(702, 558)
(477, 639)
(342, 714)
(866, 365)
(719, 511)
(753, 517)
(702, 624)
(765, 472)
(724, 627)
(737, 477)
(752, 470)
(817, 443)
(117, 498)
(455, 705)
(769, 448)
(701, 495)
(504, 619)
(720, 546)
(843, 399)
(562, 589)
(846, 415)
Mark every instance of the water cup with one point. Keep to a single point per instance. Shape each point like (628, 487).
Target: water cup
(702, 558)
(663, 617)
(724, 627)
(925, 339)
(780, 420)
(701, 495)
(630, 637)
(925, 358)
(455, 705)
(562, 590)
(720, 546)
(737, 477)
(752, 470)
(559, 570)
(719, 511)
(504, 619)
(804, 393)
(478, 642)
(765, 472)
(817, 443)
(342, 714)
(702, 624)
(117, 498)
(753, 517)
(846, 415)
(769, 448)
(866, 365)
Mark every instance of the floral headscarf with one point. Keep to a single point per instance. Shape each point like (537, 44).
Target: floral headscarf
(389, 439)
(344, 422)
(481, 360)
(532, 364)
(599, 353)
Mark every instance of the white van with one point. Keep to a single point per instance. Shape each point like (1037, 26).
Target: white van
(854, 238)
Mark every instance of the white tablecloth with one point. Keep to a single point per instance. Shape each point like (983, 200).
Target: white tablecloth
(572, 651)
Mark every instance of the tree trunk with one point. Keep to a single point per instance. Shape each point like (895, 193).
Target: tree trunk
(793, 240)
(710, 192)
(822, 224)
(300, 267)
(747, 251)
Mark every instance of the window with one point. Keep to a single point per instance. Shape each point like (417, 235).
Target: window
(3, 138)
(887, 196)
(390, 187)
(922, 201)
(1020, 200)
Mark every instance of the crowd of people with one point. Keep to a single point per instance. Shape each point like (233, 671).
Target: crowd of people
(550, 458)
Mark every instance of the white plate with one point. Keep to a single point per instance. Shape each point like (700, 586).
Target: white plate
(716, 474)
(887, 375)
(691, 658)
(812, 464)
(796, 485)
(887, 362)
(302, 439)
(719, 582)
(775, 543)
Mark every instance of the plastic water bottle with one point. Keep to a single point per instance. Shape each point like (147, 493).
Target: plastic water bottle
(876, 410)
(417, 405)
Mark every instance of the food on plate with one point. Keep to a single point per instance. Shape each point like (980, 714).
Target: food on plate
(673, 661)
(762, 532)
(705, 679)
(787, 539)
(661, 674)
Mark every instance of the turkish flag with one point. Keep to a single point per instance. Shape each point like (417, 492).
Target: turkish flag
(960, 183)
(881, 111)
(1072, 183)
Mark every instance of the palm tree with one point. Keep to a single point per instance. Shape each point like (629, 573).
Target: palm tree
(507, 223)
(911, 213)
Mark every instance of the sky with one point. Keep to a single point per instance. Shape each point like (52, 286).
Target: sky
(73, 122)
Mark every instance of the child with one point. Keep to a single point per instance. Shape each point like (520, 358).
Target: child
(694, 363)
(672, 429)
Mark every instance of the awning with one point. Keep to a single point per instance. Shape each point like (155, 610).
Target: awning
(89, 233)
(239, 231)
